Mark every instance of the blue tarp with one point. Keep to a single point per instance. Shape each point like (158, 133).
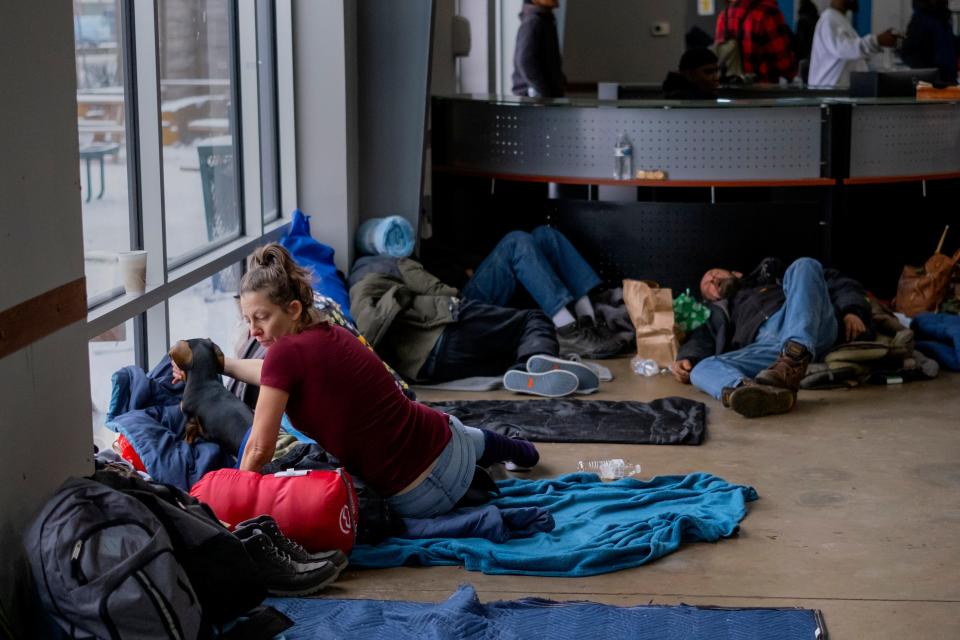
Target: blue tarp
(600, 527)
(463, 616)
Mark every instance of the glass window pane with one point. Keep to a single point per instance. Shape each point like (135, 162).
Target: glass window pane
(209, 309)
(109, 352)
(101, 122)
(198, 124)
(267, 90)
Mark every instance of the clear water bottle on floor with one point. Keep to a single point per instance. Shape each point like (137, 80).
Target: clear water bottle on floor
(612, 469)
(644, 366)
(623, 158)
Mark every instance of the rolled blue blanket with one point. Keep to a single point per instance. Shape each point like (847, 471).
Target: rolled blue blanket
(391, 236)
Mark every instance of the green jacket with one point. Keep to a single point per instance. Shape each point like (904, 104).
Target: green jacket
(403, 318)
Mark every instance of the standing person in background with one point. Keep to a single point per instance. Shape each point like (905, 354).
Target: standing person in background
(807, 17)
(838, 49)
(537, 66)
(765, 39)
(930, 40)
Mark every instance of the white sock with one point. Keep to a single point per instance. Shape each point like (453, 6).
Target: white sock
(584, 307)
(563, 317)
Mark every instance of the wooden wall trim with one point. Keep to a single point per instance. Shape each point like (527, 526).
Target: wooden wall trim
(38, 317)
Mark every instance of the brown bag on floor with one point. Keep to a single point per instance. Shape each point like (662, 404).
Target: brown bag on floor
(924, 288)
(651, 311)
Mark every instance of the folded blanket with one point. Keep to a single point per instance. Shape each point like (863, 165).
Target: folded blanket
(464, 616)
(670, 420)
(600, 527)
(490, 522)
(391, 236)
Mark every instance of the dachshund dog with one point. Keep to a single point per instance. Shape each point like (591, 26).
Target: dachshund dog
(212, 412)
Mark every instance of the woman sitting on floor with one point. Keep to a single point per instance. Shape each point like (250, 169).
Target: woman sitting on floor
(337, 391)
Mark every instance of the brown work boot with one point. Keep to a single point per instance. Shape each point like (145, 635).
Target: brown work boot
(789, 368)
(752, 400)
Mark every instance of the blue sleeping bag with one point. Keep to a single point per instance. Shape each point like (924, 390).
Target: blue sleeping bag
(391, 236)
(938, 336)
(317, 257)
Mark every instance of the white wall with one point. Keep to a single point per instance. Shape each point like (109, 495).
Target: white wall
(44, 388)
(325, 72)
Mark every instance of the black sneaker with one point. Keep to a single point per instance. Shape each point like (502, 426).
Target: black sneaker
(269, 526)
(284, 576)
(585, 340)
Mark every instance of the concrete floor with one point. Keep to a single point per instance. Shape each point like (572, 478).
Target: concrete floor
(859, 513)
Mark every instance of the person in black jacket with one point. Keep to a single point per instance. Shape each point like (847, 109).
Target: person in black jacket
(698, 77)
(537, 66)
(930, 40)
(764, 330)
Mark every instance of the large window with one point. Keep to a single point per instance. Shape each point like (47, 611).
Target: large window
(197, 107)
(102, 123)
(178, 104)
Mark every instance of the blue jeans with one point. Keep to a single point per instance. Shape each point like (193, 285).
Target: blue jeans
(544, 262)
(440, 491)
(806, 317)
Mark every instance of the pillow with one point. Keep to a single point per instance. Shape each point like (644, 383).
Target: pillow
(318, 257)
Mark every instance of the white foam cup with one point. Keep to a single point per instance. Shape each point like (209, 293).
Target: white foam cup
(133, 270)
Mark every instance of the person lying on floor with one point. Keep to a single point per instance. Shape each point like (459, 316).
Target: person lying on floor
(421, 328)
(547, 266)
(338, 392)
(764, 330)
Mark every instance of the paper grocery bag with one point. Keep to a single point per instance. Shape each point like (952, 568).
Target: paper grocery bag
(651, 312)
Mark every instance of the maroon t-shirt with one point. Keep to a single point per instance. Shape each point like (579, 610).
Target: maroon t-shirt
(343, 396)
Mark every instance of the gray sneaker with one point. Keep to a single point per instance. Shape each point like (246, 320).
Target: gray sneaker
(284, 576)
(584, 339)
(266, 524)
(550, 384)
(587, 379)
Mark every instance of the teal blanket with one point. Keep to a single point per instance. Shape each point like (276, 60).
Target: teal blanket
(600, 527)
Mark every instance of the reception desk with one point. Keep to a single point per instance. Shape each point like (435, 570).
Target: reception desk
(859, 183)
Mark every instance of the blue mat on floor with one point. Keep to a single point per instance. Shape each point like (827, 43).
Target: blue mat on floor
(600, 526)
(463, 616)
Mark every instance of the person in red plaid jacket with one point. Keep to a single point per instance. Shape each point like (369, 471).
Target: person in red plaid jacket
(766, 41)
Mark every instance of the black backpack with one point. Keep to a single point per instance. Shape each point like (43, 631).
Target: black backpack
(115, 556)
(105, 567)
(223, 576)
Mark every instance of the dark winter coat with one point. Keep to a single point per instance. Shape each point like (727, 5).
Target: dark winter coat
(734, 323)
(930, 42)
(536, 59)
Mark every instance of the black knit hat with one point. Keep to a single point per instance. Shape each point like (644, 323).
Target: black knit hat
(696, 58)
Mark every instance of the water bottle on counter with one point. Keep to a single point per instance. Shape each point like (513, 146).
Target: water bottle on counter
(623, 158)
(612, 469)
(644, 366)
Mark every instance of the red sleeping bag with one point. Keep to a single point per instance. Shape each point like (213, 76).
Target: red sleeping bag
(318, 509)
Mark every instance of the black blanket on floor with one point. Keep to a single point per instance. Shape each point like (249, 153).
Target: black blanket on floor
(670, 420)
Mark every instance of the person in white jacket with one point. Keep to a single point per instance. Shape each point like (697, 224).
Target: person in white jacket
(838, 49)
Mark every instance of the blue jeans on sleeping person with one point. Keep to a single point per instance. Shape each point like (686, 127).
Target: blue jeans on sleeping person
(440, 491)
(543, 262)
(806, 317)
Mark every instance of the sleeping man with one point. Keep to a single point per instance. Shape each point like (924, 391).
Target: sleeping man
(765, 328)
